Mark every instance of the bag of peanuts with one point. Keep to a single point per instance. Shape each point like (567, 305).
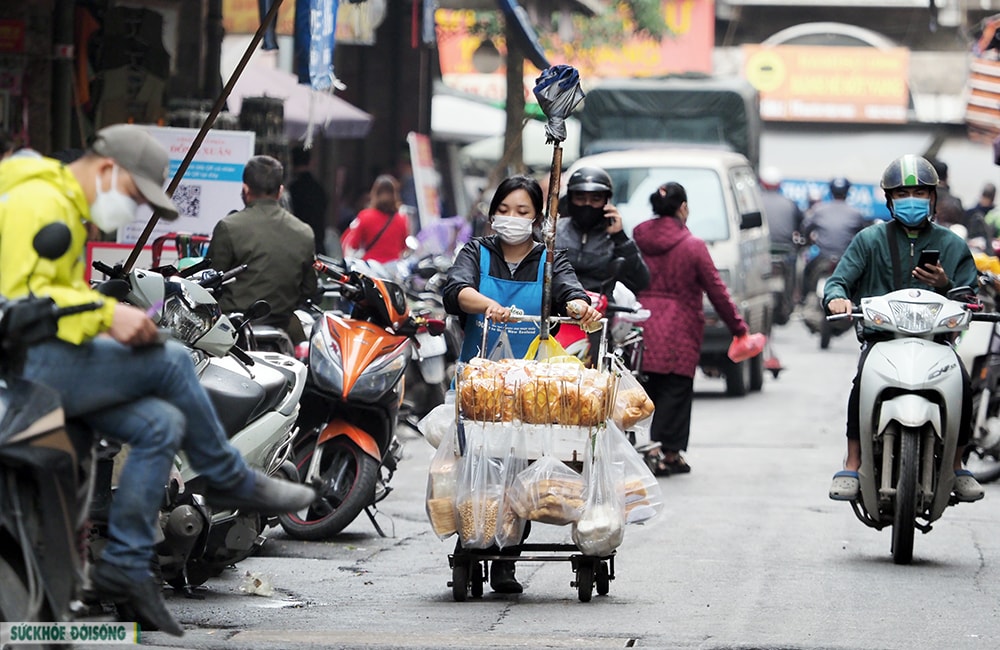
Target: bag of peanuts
(511, 527)
(479, 491)
(442, 481)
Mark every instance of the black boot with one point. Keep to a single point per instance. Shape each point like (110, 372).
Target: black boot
(502, 578)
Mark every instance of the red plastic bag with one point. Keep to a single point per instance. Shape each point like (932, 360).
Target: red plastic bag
(746, 346)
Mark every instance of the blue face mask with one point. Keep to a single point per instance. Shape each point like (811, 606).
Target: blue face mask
(911, 211)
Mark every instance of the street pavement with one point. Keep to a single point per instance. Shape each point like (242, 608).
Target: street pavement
(747, 553)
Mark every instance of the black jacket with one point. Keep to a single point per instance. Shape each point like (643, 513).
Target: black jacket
(591, 254)
(465, 273)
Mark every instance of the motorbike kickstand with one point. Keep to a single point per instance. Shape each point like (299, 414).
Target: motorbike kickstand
(372, 511)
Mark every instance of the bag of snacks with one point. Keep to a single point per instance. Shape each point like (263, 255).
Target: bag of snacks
(442, 483)
(479, 491)
(601, 527)
(511, 527)
(548, 491)
(633, 410)
(639, 487)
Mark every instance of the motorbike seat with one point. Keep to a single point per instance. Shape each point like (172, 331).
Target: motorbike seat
(238, 400)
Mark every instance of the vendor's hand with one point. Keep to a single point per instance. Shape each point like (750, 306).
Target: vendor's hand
(131, 326)
(613, 217)
(583, 312)
(933, 275)
(840, 306)
(497, 313)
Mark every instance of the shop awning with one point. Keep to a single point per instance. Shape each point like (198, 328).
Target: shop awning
(333, 117)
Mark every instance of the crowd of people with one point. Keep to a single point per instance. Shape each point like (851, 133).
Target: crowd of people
(150, 397)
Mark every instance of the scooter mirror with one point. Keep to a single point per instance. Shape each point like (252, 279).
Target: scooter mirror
(53, 240)
(117, 289)
(259, 309)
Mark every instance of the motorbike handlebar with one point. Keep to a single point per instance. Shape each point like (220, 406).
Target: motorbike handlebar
(620, 309)
(215, 281)
(991, 317)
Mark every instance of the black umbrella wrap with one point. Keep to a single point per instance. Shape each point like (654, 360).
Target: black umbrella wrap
(558, 92)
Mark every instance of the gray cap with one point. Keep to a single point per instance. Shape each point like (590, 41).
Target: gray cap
(138, 153)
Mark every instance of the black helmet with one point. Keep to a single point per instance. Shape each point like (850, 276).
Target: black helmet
(839, 187)
(589, 179)
(909, 171)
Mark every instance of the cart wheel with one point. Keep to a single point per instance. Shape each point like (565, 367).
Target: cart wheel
(603, 579)
(460, 580)
(476, 579)
(585, 580)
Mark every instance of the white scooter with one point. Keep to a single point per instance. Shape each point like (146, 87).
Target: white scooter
(256, 395)
(910, 397)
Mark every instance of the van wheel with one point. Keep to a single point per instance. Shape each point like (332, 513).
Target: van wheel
(738, 378)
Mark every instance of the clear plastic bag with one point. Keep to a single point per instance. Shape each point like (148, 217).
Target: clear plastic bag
(601, 527)
(479, 491)
(511, 526)
(502, 349)
(440, 422)
(641, 491)
(442, 484)
(548, 491)
(633, 410)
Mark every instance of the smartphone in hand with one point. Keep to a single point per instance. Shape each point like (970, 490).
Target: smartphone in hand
(928, 257)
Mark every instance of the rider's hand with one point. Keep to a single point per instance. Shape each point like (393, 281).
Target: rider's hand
(131, 326)
(497, 312)
(614, 219)
(840, 306)
(933, 275)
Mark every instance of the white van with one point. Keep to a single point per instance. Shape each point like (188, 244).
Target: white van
(727, 214)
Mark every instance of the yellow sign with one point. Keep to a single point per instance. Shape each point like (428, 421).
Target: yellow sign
(829, 84)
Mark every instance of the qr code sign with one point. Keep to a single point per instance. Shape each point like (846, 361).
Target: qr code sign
(187, 198)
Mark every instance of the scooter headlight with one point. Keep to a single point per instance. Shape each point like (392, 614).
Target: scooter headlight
(914, 317)
(382, 376)
(324, 361)
(189, 321)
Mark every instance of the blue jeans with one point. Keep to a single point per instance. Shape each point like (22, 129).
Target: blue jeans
(149, 398)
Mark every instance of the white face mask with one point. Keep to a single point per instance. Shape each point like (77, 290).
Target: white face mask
(112, 209)
(512, 230)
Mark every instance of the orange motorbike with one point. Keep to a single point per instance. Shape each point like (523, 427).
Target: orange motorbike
(348, 413)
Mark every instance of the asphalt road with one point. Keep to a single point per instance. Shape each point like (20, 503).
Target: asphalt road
(748, 553)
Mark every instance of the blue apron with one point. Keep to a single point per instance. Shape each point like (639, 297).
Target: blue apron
(526, 296)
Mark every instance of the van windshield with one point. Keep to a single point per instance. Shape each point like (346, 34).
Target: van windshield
(632, 187)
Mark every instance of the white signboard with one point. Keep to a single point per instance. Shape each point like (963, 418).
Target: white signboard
(210, 188)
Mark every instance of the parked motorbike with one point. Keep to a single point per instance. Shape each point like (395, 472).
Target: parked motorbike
(256, 395)
(46, 466)
(909, 385)
(817, 272)
(351, 404)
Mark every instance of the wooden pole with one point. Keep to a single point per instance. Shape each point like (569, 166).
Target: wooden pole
(552, 215)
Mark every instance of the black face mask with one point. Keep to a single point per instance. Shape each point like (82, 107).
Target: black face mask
(587, 217)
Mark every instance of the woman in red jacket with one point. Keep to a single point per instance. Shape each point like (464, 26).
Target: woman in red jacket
(379, 231)
(681, 271)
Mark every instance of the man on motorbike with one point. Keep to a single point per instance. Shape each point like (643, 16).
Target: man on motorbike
(830, 225)
(593, 236)
(276, 246)
(106, 364)
(871, 266)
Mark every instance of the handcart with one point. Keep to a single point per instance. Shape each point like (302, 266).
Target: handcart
(470, 566)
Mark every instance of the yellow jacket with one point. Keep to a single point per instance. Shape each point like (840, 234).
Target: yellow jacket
(35, 192)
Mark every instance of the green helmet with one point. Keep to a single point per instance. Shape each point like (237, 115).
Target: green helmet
(909, 171)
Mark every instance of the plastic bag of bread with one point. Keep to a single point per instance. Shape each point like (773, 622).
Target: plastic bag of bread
(633, 410)
(488, 390)
(548, 491)
(601, 527)
(641, 491)
(442, 483)
(510, 528)
(565, 393)
(478, 492)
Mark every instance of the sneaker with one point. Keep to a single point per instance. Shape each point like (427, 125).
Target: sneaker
(967, 488)
(264, 495)
(144, 597)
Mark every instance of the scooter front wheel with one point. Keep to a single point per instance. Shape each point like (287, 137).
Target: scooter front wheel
(348, 476)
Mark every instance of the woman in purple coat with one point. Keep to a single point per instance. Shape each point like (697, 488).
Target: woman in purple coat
(682, 271)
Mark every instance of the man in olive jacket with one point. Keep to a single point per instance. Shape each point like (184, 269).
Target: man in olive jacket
(277, 248)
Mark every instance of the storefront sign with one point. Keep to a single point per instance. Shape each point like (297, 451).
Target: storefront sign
(356, 23)
(866, 198)
(211, 185)
(801, 83)
(686, 48)
(11, 36)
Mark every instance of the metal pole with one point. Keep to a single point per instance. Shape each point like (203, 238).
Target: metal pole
(552, 214)
(209, 120)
